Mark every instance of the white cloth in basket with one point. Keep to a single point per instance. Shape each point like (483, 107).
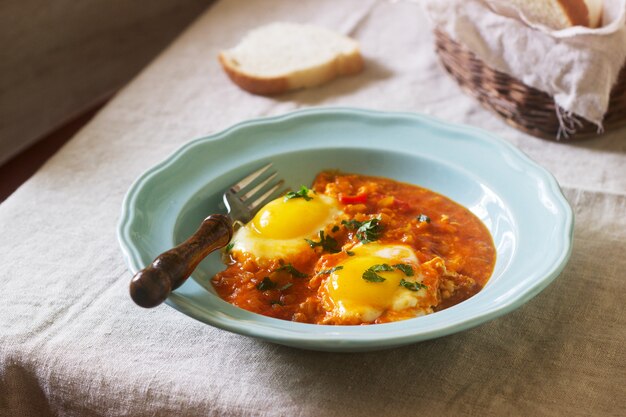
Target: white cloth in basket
(578, 66)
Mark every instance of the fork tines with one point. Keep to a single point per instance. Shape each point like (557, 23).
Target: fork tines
(258, 188)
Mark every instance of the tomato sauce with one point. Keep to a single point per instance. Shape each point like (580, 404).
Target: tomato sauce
(431, 224)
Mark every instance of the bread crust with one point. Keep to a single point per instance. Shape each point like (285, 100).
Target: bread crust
(350, 64)
(576, 11)
(341, 65)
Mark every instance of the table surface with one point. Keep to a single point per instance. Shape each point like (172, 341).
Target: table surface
(72, 342)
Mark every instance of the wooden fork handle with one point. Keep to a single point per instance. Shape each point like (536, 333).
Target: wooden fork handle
(151, 286)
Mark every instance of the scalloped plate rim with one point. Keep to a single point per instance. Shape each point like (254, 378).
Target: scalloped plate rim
(296, 334)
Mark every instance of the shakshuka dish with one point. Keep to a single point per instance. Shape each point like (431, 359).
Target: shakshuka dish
(356, 249)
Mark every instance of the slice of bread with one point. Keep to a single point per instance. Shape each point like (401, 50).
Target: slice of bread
(595, 8)
(561, 14)
(287, 56)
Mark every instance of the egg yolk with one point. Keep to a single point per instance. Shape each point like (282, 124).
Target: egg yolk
(348, 287)
(281, 219)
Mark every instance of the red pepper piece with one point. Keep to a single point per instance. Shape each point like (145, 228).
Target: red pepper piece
(353, 199)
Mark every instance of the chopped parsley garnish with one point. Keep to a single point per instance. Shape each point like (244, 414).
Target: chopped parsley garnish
(303, 192)
(230, 246)
(371, 275)
(327, 243)
(334, 229)
(280, 303)
(293, 271)
(330, 271)
(367, 231)
(411, 285)
(407, 269)
(266, 284)
(286, 286)
(381, 267)
(351, 224)
(423, 218)
(349, 253)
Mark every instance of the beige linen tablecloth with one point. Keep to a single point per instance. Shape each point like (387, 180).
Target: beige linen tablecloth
(73, 344)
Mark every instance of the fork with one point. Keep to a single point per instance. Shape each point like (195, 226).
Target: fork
(153, 284)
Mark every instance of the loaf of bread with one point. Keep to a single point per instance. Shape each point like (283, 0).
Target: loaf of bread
(280, 57)
(561, 14)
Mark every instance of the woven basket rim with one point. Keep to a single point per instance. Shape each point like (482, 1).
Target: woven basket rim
(524, 107)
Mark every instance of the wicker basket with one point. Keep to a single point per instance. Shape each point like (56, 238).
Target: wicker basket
(521, 106)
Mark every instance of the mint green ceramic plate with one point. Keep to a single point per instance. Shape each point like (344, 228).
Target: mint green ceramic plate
(519, 202)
